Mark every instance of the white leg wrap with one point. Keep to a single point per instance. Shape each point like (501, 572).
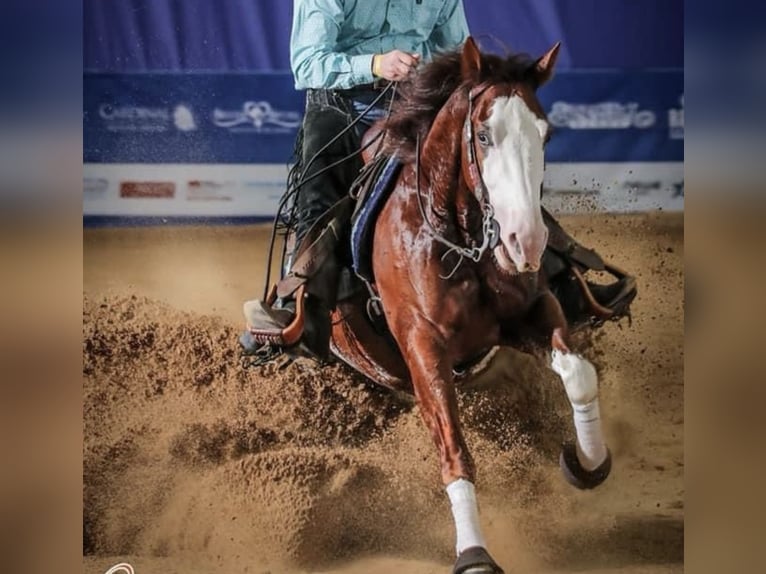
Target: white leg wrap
(465, 511)
(591, 450)
(581, 384)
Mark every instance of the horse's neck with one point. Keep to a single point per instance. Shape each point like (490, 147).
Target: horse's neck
(456, 204)
(441, 165)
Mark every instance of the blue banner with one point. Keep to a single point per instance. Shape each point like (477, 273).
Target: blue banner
(190, 118)
(615, 116)
(598, 116)
(199, 93)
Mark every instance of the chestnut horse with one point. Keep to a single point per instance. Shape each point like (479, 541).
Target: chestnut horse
(456, 261)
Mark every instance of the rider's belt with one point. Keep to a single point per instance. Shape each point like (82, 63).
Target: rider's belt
(365, 93)
(363, 89)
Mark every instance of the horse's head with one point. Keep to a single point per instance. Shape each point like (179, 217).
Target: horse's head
(503, 152)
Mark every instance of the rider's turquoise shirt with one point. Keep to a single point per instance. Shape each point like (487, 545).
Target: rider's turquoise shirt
(333, 41)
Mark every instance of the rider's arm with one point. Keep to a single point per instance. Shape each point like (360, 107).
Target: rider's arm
(313, 41)
(451, 28)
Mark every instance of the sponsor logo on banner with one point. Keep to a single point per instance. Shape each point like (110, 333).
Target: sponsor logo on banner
(676, 121)
(272, 189)
(94, 187)
(147, 189)
(602, 115)
(183, 118)
(208, 190)
(258, 117)
(654, 188)
(146, 118)
(636, 187)
(640, 187)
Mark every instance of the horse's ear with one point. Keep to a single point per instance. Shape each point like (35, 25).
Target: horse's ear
(545, 64)
(470, 64)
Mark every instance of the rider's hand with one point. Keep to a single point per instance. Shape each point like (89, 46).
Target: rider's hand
(394, 65)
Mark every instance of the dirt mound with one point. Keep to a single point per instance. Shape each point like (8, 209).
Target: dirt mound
(185, 449)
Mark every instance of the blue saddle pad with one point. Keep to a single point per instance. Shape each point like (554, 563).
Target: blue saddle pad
(363, 224)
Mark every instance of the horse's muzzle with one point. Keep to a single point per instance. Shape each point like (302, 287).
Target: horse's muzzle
(525, 249)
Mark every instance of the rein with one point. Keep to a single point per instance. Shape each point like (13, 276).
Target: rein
(490, 229)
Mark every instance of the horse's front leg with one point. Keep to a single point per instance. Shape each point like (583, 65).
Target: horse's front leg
(426, 356)
(587, 463)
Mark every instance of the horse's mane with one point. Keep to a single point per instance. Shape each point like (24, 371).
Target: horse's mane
(422, 95)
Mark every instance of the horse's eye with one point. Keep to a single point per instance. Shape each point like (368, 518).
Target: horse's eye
(483, 138)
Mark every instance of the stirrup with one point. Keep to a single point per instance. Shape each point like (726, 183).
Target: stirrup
(277, 327)
(618, 306)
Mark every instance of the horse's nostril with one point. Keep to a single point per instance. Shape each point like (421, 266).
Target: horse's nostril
(514, 239)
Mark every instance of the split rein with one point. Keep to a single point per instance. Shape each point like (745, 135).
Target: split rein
(490, 229)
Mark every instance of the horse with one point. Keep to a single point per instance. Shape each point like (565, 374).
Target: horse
(455, 266)
(456, 259)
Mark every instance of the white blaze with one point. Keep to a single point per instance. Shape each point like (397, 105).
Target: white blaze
(513, 173)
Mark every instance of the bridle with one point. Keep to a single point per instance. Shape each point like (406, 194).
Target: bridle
(490, 229)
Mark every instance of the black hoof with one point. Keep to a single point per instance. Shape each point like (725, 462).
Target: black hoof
(476, 560)
(576, 475)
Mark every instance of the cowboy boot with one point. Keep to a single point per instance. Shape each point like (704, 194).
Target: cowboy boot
(584, 302)
(299, 323)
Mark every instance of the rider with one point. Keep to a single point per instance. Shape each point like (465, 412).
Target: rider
(344, 54)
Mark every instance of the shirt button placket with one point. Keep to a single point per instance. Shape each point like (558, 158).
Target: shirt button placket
(393, 15)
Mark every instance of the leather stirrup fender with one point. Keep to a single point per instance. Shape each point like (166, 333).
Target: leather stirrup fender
(310, 260)
(316, 247)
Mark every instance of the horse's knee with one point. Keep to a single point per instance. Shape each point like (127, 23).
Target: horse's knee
(579, 377)
(437, 401)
